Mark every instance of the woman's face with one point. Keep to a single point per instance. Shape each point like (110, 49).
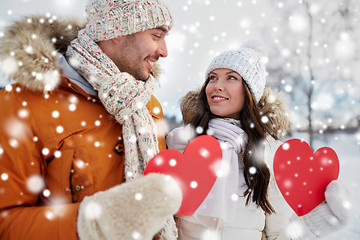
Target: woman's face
(225, 93)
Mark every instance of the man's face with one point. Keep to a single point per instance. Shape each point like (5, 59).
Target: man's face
(135, 53)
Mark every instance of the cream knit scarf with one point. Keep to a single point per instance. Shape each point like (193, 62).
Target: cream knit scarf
(125, 98)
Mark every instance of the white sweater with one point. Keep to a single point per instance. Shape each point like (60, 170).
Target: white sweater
(223, 214)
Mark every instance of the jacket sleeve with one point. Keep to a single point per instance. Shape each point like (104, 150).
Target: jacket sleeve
(276, 223)
(22, 172)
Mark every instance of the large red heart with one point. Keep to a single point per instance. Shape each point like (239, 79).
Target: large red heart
(194, 170)
(302, 176)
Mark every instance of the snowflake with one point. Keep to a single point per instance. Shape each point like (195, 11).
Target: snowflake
(45, 151)
(298, 23)
(136, 235)
(72, 107)
(172, 162)
(57, 154)
(193, 184)
(35, 184)
(59, 129)
(93, 210)
(211, 234)
(23, 113)
(138, 196)
(46, 193)
(49, 215)
(9, 65)
(4, 176)
(252, 170)
(55, 114)
(204, 153)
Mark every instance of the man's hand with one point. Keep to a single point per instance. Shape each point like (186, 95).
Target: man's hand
(132, 210)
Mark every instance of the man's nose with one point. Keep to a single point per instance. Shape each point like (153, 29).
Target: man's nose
(161, 51)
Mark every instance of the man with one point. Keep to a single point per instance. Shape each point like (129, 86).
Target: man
(79, 122)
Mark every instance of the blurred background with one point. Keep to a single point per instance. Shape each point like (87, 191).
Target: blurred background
(312, 50)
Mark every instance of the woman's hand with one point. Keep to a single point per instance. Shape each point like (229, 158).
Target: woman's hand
(328, 217)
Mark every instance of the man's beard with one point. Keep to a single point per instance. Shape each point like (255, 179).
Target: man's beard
(135, 71)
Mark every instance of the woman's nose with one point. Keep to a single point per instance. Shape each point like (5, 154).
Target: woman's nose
(219, 85)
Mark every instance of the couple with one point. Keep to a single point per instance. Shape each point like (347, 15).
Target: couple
(79, 126)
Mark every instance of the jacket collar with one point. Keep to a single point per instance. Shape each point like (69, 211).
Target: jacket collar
(75, 77)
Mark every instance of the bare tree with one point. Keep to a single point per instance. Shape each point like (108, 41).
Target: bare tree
(311, 48)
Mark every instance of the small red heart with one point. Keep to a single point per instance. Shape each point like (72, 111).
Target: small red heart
(302, 176)
(194, 170)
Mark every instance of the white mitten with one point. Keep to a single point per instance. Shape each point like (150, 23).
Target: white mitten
(180, 137)
(132, 210)
(328, 217)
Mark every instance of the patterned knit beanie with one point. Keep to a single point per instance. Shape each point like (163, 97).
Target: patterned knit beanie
(247, 63)
(108, 19)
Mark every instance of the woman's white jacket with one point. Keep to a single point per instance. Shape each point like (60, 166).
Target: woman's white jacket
(224, 214)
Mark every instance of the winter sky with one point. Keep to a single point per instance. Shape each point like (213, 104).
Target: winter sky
(202, 29)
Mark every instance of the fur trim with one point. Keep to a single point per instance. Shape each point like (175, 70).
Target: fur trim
(189, 106)
(30, 49)
(271, 105)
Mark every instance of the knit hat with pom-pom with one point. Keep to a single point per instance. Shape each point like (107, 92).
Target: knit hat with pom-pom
(108, 19)
(248, 63)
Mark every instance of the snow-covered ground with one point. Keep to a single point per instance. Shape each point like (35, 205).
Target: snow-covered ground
(347, 147)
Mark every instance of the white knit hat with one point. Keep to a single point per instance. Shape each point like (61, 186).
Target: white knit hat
(108, 19)
(247, 63)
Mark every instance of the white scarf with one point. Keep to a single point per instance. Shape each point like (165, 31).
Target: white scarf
(222, 199)
(125, 98)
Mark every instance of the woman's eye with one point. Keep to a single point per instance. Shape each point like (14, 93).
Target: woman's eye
(212, 78)
(232, 78)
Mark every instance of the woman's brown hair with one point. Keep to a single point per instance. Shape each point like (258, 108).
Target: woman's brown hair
(250, 118)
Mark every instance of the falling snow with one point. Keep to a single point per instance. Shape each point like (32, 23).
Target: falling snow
(172, 162)
(136, 235)
(93, 210)
(138, 196)
(46, 193)
(35, 184)
(4, 176)
(55, 114)
(202, 30)
(57, 154)
(45, 151)
(193, 184)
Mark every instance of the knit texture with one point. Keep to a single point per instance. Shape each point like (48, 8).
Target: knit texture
(247, 63)
(125, 98)
(108, 19)
(132, 210)
(328, 217)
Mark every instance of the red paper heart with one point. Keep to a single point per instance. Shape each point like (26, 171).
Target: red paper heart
(302, 176)
(194, 170)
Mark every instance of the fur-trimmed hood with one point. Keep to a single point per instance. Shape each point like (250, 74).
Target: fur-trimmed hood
(271, 103)
(31, 48)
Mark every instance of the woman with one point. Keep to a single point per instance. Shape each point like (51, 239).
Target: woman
(247, 119)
